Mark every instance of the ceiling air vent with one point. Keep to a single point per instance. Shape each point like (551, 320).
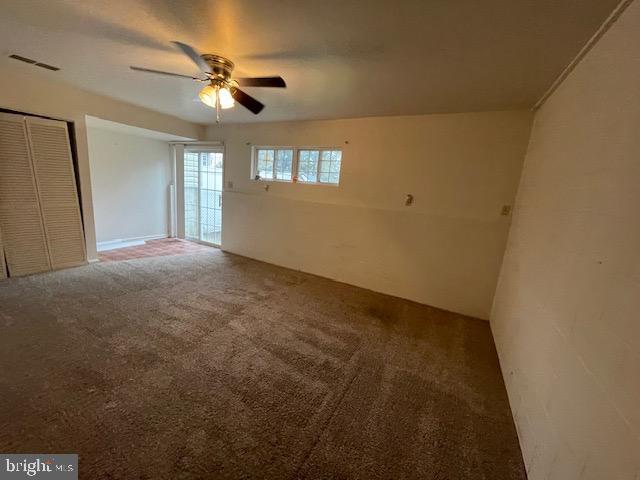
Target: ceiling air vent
(34, 62)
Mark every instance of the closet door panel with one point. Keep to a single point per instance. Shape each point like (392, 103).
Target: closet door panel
(23, 234)
(55, 178)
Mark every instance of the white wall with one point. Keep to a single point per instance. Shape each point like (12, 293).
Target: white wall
(130, 177)
(445, 250)
(566, 317)
(25, 90)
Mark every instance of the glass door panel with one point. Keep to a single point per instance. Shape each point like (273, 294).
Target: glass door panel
(203, 177)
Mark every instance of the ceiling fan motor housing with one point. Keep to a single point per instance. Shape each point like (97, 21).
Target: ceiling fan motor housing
(220, 66)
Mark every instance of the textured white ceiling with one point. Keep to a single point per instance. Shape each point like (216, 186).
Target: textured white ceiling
(340, 59)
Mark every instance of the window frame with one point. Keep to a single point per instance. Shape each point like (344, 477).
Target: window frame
(295, 163)
(254, 163)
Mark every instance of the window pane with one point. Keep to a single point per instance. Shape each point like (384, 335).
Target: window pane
(284, 162)
(336, 159)
(217, 171)
(308, 166)
(325, 164)
(191, 194)
(265, 164)
(330, 165)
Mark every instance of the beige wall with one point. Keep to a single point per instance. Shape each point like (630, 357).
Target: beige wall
(130, 177)
(566, 317)
(445, 250)
(22, 89)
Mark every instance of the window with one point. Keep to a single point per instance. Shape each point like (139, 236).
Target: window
(264, 169)
(284, 165)
(273, 164)
(329, 171)
(313, 165)
(308, 166)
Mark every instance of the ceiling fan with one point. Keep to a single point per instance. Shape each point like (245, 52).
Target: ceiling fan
(222, 91)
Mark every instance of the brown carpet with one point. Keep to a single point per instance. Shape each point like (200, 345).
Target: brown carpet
(216, 366)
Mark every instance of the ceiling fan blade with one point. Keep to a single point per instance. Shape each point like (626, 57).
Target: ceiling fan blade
(149, 70)
(189, 51)
(247, 101)
(275, 82)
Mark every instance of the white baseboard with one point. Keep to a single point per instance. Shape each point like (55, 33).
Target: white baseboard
(127, 242)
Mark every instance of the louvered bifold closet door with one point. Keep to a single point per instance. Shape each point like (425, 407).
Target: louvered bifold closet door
(55, 178)
(20, 220)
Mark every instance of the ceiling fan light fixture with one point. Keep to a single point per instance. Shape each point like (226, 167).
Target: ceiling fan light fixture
(208, 96)
(223, 91)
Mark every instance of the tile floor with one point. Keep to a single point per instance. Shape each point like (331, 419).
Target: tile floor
(154, 248)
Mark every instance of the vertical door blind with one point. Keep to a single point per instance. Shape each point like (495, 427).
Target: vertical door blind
(39, 211)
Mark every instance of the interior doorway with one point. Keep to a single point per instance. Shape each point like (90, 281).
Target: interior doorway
(203, 177)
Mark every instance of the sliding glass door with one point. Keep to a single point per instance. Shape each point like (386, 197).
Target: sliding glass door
(203, 195)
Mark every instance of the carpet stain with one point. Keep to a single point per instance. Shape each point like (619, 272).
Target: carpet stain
(211, 365)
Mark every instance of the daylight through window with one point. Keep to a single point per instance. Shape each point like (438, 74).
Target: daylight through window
(311, 165)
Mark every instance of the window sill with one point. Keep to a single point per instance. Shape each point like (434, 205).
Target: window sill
(325, 184)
